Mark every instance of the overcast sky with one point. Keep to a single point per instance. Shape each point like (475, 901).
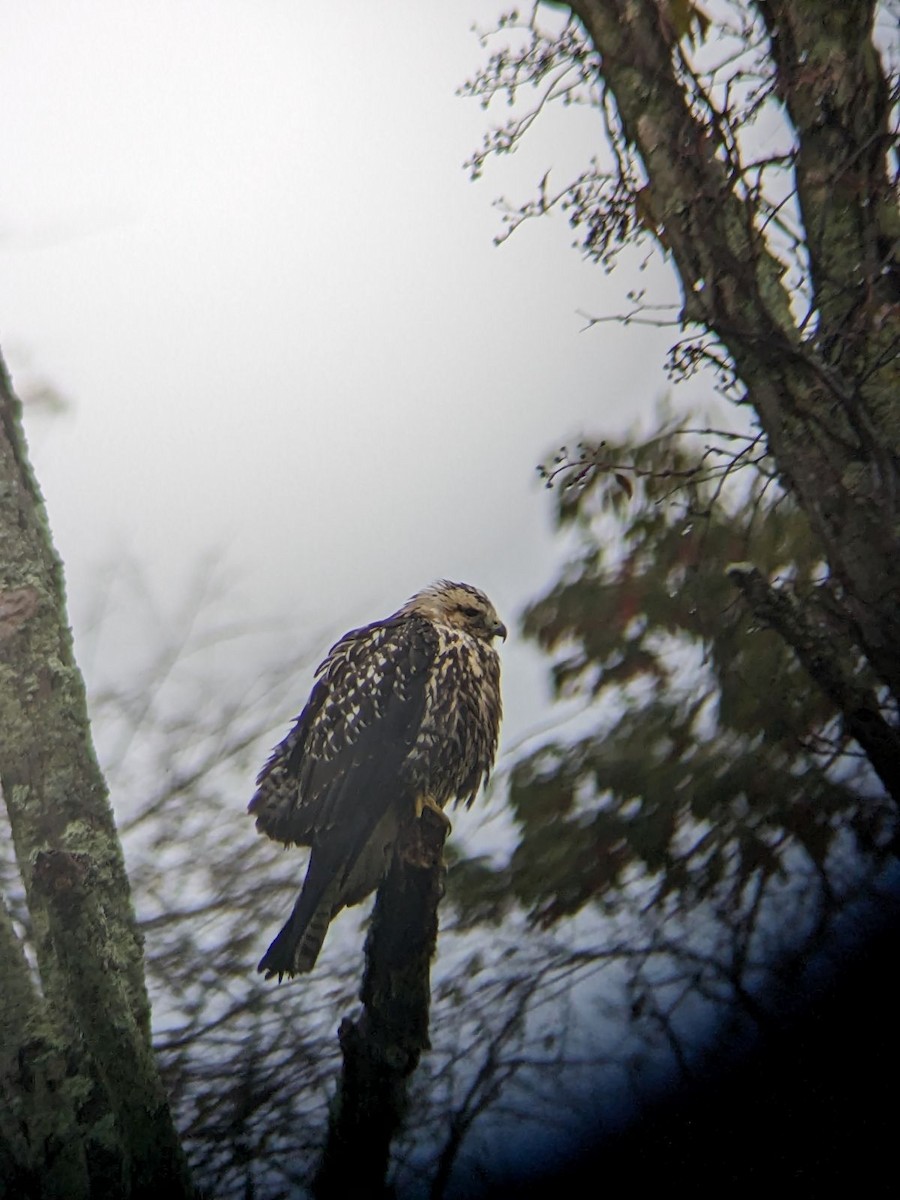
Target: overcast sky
(237, 236)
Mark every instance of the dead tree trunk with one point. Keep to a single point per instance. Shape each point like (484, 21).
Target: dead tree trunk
(382, 1046)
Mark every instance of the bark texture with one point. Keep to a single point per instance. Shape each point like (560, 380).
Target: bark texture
(382, 1046)
(824, 385)
(806, 630)
(77, 1065)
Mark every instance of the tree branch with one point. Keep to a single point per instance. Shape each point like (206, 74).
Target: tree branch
(831, 81)
(816, 648)
(821, 414)
(382, 1047)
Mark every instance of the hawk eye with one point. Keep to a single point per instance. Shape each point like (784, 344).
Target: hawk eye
(470, 612)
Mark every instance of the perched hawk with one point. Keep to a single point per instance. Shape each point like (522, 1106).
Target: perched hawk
(405, 714)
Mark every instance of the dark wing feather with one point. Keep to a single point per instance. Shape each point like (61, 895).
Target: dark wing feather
(338, 783)
(282, 812)
(358, 797)
(352, 737)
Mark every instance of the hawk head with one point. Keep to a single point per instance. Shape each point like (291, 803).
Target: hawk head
(458, 605)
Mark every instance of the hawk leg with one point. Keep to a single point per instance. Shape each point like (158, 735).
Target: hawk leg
(429, 802)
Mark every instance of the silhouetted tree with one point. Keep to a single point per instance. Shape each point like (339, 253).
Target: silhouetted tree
(714, 764)
(785, 246)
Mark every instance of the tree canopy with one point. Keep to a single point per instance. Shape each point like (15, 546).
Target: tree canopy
(753, 145)
(719, 803)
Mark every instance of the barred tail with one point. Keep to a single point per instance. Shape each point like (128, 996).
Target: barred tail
(296, 948)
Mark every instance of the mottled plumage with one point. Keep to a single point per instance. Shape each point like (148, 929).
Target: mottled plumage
(405, 712)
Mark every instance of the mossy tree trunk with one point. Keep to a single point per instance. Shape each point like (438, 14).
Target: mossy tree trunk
(83, 1109)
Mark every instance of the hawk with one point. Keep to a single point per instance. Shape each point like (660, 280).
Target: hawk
(404, 715)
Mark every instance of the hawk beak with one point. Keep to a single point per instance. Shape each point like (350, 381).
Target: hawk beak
(500, 630)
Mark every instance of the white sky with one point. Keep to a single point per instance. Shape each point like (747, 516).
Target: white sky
(236, 236)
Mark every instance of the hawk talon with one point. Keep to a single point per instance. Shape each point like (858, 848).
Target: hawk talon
(429, 802)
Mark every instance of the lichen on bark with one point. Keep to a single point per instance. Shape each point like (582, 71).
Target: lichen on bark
(88, 1003)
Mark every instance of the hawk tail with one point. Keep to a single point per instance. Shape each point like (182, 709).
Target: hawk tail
(296, 947)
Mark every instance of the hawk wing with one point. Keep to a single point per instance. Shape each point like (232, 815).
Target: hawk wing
(338, 777)
(356, 730)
